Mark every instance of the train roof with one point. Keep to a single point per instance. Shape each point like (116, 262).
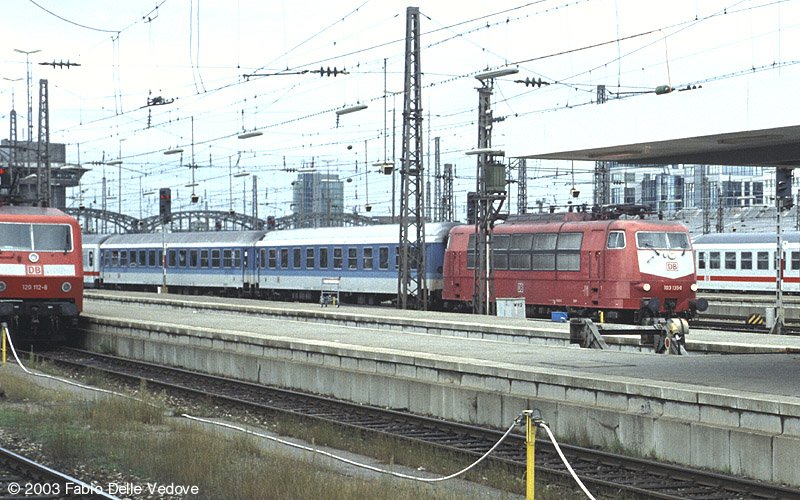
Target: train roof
(544, 225)
(376, 234)
(213, 238)
(746, 238)
(94, 239)
(10, 212)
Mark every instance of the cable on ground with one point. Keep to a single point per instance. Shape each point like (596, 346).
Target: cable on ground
(564, 459)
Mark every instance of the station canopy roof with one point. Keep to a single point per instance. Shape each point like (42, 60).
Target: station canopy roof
(754, 123)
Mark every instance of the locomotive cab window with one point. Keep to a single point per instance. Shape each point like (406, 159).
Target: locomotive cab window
(662, 240)
(35, 237)
(616, 239)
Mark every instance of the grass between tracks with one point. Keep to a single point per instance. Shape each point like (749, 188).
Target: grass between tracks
(136, 436)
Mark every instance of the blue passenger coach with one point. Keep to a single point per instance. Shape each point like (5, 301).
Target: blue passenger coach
(288, 264)
(292, 264)
(219, 262)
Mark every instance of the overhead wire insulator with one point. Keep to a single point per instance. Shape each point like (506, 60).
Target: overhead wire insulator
(532, 82)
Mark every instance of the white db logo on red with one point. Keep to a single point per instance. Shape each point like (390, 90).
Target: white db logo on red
(35, 270)
(672, 266)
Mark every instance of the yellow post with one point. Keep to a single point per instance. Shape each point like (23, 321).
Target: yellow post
(601, 317)
(5, 332)
(530, 441)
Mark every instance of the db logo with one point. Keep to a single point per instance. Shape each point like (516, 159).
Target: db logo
(672, 266)
(35, 270)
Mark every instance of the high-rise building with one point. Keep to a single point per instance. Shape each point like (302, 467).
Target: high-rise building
(318, 200)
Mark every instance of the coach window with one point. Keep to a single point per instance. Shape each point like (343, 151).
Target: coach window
(569, 252)
(173, 258)
(352, 258)
(763, 260)
(273, 258)
(181, 258)
(142, 258)
(227, 258)
(396, 258)
(284, 258)
(192, 258)
(616, 239)
(795, 261)
(106, 255)
(115, 258)
(151, 258)
(296, 258)
(91, 258)
(383, 257)
(701, 260)
(713, 260)
(746, 260)
(730, 260)
(367, 264)
(204, 258)
(337, 258)
(123, 258)
(544, 251)
(310, 258)
(161, 258)
(237, 259)
(323, 258)
(263, 255)
(215, 262)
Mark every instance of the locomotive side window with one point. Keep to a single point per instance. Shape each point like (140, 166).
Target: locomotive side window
(383, 257)
(367, 262)
(730, 260)
(616, 239)
(763, 260)
(500, 259)
(544, 255)
(701, 260)
(471, 252)
(521, 242)
(713, 260)
(500, 242)
(569, 256)
(323, 258)
(519, 261)
(747, 260)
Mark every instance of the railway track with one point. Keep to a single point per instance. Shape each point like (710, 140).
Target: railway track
(598, 469)
(22, 478)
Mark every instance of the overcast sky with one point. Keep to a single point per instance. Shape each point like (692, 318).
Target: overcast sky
(198, 51)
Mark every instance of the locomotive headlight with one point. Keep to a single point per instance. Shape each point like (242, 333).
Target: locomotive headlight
(693, 287)
(2, 286)
(646, 287)
(66, 286)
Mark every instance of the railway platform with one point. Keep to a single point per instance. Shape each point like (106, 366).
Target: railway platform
(736, 408)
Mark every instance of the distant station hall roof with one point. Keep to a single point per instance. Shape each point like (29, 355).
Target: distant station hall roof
(744, 123)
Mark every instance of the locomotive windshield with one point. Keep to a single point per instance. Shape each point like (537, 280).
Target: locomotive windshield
(35, 237)
(662, 240)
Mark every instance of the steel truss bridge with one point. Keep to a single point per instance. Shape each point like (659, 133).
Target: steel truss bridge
(93, 220)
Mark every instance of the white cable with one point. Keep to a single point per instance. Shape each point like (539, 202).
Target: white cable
(272, 438)
(564, 459)
(44, 375)
(351, 462)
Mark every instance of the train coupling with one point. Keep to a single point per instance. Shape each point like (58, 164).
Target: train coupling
(666, 336)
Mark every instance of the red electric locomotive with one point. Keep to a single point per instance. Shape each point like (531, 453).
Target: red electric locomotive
(41, 272)
(629, 269)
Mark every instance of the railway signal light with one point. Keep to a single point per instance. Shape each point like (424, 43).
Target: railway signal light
(165, 204)
(783, 188)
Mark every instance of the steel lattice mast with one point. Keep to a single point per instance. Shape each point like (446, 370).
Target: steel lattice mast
(411, 284)
(43, 148)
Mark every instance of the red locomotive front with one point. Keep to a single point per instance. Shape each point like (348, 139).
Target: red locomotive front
(627, 269)
(41, 272)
